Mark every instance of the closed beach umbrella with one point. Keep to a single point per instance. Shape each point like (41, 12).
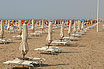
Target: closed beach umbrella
(82, 26)
(79, 27)
(33, 26)
(24, 44)
(20, 27)
(69, 30)
(74, 30)
(8, 26)
(2, 29)
(49, 37)
(42, 26)
(62, 30)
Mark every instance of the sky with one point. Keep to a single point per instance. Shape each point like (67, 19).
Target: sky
(50, 9)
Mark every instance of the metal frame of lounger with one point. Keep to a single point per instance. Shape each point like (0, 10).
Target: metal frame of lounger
(20, 62)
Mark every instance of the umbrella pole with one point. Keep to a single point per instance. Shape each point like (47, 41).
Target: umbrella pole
(23, 59)
(2, 37)
(33, 30)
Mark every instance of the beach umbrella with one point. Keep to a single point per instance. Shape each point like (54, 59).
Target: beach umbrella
(8, 26)
(2, 29)
(42, 26)
(69, 30)
(49, 37)
(78, 26)
(33, 26)
(82, 26)
(20, 27)
(62, 30)
(74, 30)
(24, 44)
(98, 15)
(91, 22)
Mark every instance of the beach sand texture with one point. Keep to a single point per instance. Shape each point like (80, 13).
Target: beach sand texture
(87, 53)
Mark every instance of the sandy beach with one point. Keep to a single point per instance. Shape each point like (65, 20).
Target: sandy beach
(87, 53)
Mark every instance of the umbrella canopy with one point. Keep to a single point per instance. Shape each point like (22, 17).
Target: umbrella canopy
(49, 37)
(8, 26)
(24, 45)
(2, 29)
(74, 30)
(20, 26)
(69, 30)
(79, 26)
(62, 30)
(33, 25)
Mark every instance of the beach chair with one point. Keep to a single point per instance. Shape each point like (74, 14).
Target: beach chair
(71, 38)
(20, 62)
(50, 49)
(5, 40)
(38, 60)
(65, 42)
(76, 35)
(35, 34)
(17, 37)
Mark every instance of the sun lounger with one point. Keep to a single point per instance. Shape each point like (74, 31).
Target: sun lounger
(71, 38)
(35, 34)
(81, 33)
(65, 42)
(18, 36)
(76, 35)
(4, 40)
(20, 62)
(50, 49)
(39, 60)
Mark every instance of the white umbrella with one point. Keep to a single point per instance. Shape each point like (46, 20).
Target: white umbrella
(24, 44)
(79, 26)
(49, 37)
(62, 30)
(42, 26)
(74, 30)
(8, 26)
(20, 26)
(69, 30)
(2, 29)
(98, 15)
(82, 26)
(33, 26)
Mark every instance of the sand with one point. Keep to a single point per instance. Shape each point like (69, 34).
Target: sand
(87, 53)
